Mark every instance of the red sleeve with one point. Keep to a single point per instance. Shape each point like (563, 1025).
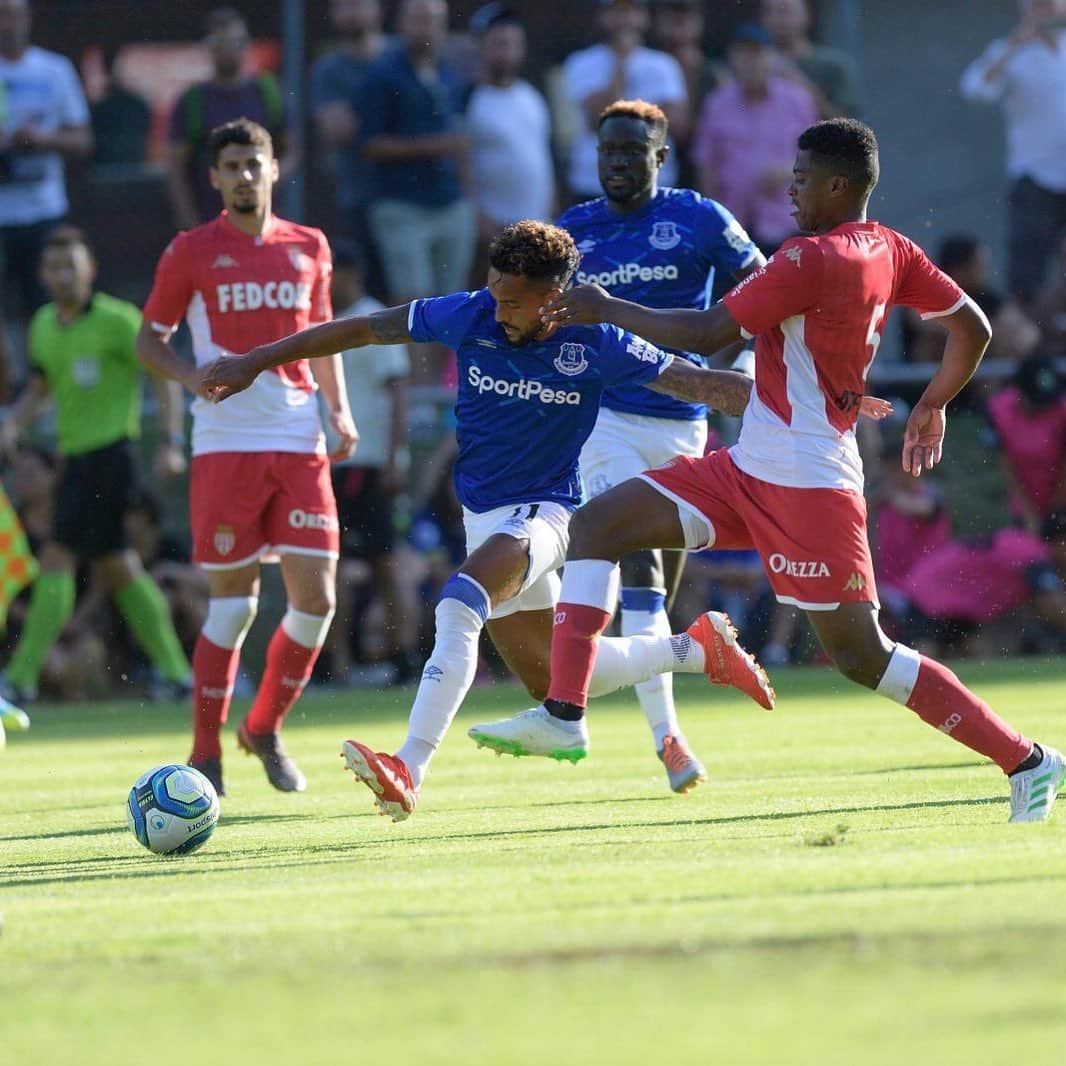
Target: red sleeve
(923, 286)
(321, 302)
(788, 285)
(173, 287)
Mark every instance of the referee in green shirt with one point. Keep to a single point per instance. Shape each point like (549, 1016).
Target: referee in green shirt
(82, 355)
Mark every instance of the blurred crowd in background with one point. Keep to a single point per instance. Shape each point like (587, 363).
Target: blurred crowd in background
(428, 137)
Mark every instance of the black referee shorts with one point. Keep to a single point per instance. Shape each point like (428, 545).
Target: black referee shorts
(94, 493)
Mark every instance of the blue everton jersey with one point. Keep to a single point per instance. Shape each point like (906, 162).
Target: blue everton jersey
(523, 413)
(665, 255)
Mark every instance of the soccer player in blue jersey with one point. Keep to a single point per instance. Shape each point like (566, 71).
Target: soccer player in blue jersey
(661, 248)
(528, 398)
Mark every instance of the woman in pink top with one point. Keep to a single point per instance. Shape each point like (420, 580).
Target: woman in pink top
(1029, 420)
(745, 140)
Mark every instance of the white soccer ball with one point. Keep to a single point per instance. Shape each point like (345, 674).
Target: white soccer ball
(172, 809)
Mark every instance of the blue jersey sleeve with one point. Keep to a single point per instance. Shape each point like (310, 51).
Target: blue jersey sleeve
(626, 359)
(445, 319)
(723, 239)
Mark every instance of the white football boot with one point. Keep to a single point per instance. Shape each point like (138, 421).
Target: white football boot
(1033, 792)
(534, 732)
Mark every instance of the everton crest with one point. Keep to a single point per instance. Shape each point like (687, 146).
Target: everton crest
(571, 359)
(664, 236)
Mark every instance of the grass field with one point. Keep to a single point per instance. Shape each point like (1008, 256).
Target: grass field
(844, 890)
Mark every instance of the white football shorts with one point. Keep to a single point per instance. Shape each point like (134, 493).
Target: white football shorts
(623, 446)
(546, 526)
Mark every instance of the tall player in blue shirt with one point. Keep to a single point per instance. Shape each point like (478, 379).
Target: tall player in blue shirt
(528, 398)
(660, 248)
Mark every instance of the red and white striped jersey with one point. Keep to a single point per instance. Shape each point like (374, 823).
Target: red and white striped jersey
(817, 310)
(237, 291)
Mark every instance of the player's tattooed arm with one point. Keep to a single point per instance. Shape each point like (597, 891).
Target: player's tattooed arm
(390, 326)
(724, 390)
(232, 374)
(702, 332)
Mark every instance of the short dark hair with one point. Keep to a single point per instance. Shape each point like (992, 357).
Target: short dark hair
(956, 251)
(651, 115)
(1053, 528)
(847, 146)
(241, 131)
(535, 250)
(66, 236)
(221, 18)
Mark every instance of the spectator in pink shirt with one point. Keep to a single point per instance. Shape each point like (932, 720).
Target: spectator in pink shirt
(910, 522)
(1013, 575)
(745, 140)
(1028, 420)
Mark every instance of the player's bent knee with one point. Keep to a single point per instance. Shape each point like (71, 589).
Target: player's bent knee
(462, 589)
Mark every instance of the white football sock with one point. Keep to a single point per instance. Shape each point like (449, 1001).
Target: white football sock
(447, 676)
(644, 614)
(625, 661)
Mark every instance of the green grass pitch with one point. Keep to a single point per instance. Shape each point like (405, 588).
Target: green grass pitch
(845, 889)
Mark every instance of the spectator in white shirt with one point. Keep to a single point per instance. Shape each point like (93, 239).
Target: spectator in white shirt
(620, 68)
(1026, 74)
(43, 119)
(509, 127)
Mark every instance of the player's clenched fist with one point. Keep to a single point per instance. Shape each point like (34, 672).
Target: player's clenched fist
(584, 305)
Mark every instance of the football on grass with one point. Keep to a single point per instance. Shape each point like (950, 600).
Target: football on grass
(172, 810)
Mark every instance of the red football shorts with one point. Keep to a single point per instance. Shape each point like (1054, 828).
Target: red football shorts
(812, 542)
(246, 506)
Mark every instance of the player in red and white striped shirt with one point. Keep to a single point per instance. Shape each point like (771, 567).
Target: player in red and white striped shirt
(792, 485)
(260, 483)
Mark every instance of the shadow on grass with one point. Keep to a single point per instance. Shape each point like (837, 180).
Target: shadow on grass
(225, 820)
(105, 868)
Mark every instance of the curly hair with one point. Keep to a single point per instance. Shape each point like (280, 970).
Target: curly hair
(652, 116)
(536, 250)
(846, 145)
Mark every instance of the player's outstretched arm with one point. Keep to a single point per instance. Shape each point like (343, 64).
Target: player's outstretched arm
(724, 390)
(702, 332)
(232, 374)
(968, 337)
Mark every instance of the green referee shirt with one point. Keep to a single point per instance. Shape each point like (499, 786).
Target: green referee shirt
(92, 371)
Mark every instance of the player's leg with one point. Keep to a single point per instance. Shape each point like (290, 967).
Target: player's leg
(231, 609)
(147, 613)
(229, 493)
(853, 639)
(310, 587)
(620, 447)
(492, 574)
(74, 533)
(298, 520)
(51, 606)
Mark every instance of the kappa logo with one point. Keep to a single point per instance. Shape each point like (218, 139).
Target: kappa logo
(225, 539)
(223, 261)
(855, 583)
(793, 568)
(664, 236)
(571, 359)
(795, 253)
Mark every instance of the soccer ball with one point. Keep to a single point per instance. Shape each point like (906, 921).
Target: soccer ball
(172, 809)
